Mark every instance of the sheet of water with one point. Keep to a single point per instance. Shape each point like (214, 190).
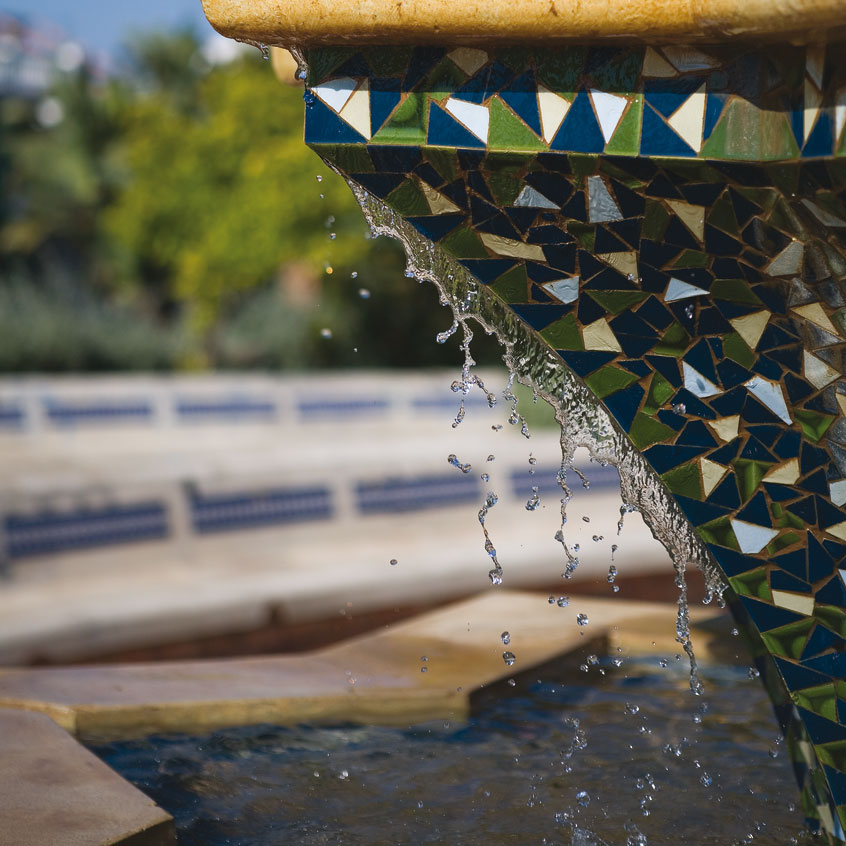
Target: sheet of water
(613, 756)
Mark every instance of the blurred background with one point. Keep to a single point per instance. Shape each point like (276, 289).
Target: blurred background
(223, 412)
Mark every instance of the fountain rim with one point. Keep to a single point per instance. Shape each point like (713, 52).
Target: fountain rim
(479, 23)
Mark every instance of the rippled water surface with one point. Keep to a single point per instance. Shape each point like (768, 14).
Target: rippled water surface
(587, 760)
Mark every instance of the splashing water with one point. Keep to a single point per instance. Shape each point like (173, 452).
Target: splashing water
(583, 421)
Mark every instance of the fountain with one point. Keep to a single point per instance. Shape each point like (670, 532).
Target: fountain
(646, 203)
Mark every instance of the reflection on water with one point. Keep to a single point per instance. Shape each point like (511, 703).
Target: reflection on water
(613, 757)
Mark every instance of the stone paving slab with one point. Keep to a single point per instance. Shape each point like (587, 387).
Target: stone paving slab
(377, 677)
(54, 792)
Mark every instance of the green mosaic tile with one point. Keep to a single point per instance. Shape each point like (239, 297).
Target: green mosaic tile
(655, 220)
(753, 583)
(409, 200)
(561, 70)
(659, 393)
(564, 334)
(626, 140)
(821, 700)
(719, 532)
(831, 617)
(444, 80)
(504, 187)
(735, 291)
(833, 754)
(737, 135)
(789, 640)
(749, 474)
(609, 380)
(389, 61)
(512, 286)
(685, 480)
(583, 165)
(764, 197)
(782, 542)
(735, 348)
(692, 258)
(321, 63)
(513, 57)
(445, 162)
(646, 431)
(776, 136)
(508, 132)
(408, 123)
(814, 424)
(674, 342)
(619, 173)
(351, 158)
(783, 217)
(584, 233)
(722, 215)
(615, 302)
(464, 243)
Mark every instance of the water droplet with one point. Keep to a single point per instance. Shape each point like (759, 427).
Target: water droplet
(495, 576)
(354, 275)
(706, 780)
(490, 458)
(598, 538)
(612, 574)
(551, 600)
(505, 637)
(753, 673)
(509, 658)
(680, 408)
(563, 602)
(343, 774)
(534, 501)
(631, 708)
(586, 519)
(582, 619)
(485, 477)
(325, 333)
(453, 460)
(512, 683)
(265, 51)
(332, 236)
(583, 798)
(393, 562)
(319, 178)
(423, 669)
(364, 293)
(301, 74)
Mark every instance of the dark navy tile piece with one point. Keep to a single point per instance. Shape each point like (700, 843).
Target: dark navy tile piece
(423, 60)
(756, 511)
(700, 513)
(323, 126)
(726, 493)
(664, 457)
(658, 139)
(767, 616)
(780, 580)
(385, 94)
(832, 593)
(436, 226)
(666, 95)
(696, 433)
(821, 140)
(388, 159)
(579, 132)
(820, 563)
(521, 95)
(488, 270)
(797, 677)
(539, 316)
(794, 563)
(668, 367)
(583, 363)
(380, 184)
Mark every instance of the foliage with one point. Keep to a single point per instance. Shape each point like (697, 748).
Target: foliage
(161, 221)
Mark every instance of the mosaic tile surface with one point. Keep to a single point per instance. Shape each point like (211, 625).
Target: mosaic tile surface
(673, 224)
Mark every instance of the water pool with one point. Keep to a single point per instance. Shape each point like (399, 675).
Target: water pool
(554, 758)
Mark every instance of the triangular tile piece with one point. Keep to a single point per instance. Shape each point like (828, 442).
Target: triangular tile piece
(688, 120)
(801, 603)
(815, 63)
(336, 92)
(445, 131)
(816, 314)
(693, 217)
(580, 132)
(654, 64)
(825, 217)
(565, 290)
(533, 199)
(357, 110)
(521, 94)
(475, 117)
(813, 100)
(817, 372)
(712, 474)
(468, 59)
(750, 327)
(323, 126)
(726, 428)
(609, 109)
(697, 384)
(678, 290)
(838, 530)
(657, 139)
(841, 403)
(513, 249)
(788, 262)
(837, 492)
(553, 109)
(771, 395)
(508, 131)
(784, 474)
(438, 203)
(688, 59)
(599, 336)
(751, 538)
(625, 262)
(601, 205)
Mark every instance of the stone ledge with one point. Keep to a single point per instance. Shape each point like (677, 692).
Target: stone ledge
(376, 677)
(441, 22)
(54, 791)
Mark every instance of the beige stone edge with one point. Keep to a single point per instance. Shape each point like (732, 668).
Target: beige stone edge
(310, 22)
(379, 677)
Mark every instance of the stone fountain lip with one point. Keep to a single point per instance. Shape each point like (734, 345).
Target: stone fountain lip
(307, 23)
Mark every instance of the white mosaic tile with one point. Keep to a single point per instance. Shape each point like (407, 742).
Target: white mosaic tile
(609, 109)
(475, 117)
(770, 394)
(336, 92)
(678, 290)
(530, 198)
(565, 290)
(751, 538)
(697, 384)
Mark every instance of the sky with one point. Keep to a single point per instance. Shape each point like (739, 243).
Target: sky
(103, 25)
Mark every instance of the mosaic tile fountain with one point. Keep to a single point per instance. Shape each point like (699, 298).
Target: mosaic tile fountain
(671, 222)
